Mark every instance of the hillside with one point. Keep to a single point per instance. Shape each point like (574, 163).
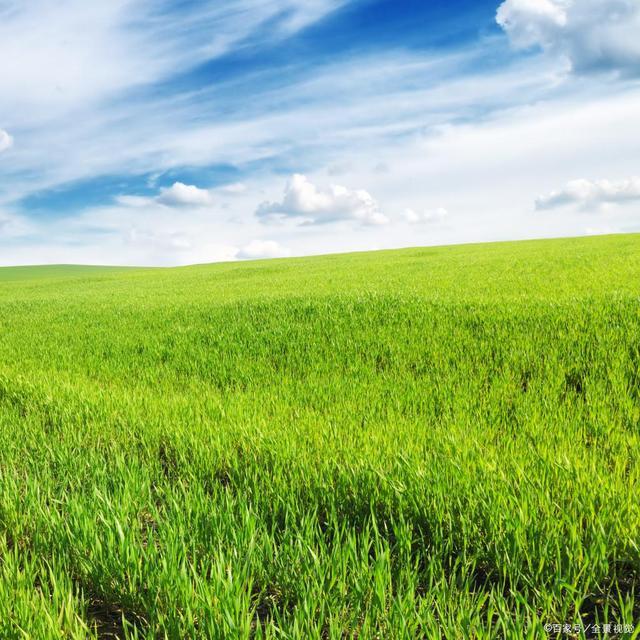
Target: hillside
(438, 442)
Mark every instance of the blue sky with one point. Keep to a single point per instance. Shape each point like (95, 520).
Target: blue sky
(174, 132)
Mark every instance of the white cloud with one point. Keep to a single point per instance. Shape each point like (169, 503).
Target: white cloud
(234, 189)
(434, 121)
(531, 22)
(430, 215)
(6, 141)
(591, 194)
(305, 201)
(13, 226)
(258, 249)
(177, 195)
(360, 102)
(302, 13)
(594, 35)
(70, 52)
(80, 79)
(184, 195)
(171, 241)
(532, 149)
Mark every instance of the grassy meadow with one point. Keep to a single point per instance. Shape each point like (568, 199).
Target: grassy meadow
(425, 443)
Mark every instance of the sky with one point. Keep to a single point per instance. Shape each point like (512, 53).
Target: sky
(172, 132)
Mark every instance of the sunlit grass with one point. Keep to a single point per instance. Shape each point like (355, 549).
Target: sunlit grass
(423, 443)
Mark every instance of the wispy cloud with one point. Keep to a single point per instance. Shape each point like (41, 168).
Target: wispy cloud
(150, 133)
(73, 52)
(363, 101)
(92, 83)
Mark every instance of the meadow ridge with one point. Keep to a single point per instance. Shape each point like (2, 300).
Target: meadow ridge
(423, 443)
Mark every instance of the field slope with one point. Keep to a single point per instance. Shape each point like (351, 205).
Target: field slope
(423, 443)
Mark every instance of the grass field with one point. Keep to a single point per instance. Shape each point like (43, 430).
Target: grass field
(422, 443)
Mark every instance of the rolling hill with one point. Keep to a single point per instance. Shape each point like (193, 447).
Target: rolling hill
(437, 442)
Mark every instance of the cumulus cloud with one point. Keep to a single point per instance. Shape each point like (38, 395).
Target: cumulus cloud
(6, 141)
(313, 205)
(177, 195)
(431, 215)
(184, 195)
(594, 35)
(258, 249)
(591, 194)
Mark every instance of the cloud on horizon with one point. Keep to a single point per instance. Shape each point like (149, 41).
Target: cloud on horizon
(261, 249)
(589, 194)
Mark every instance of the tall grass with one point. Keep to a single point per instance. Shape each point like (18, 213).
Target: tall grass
(417, 444)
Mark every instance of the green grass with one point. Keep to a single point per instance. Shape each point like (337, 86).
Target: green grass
(9, 274)
(423, 443)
